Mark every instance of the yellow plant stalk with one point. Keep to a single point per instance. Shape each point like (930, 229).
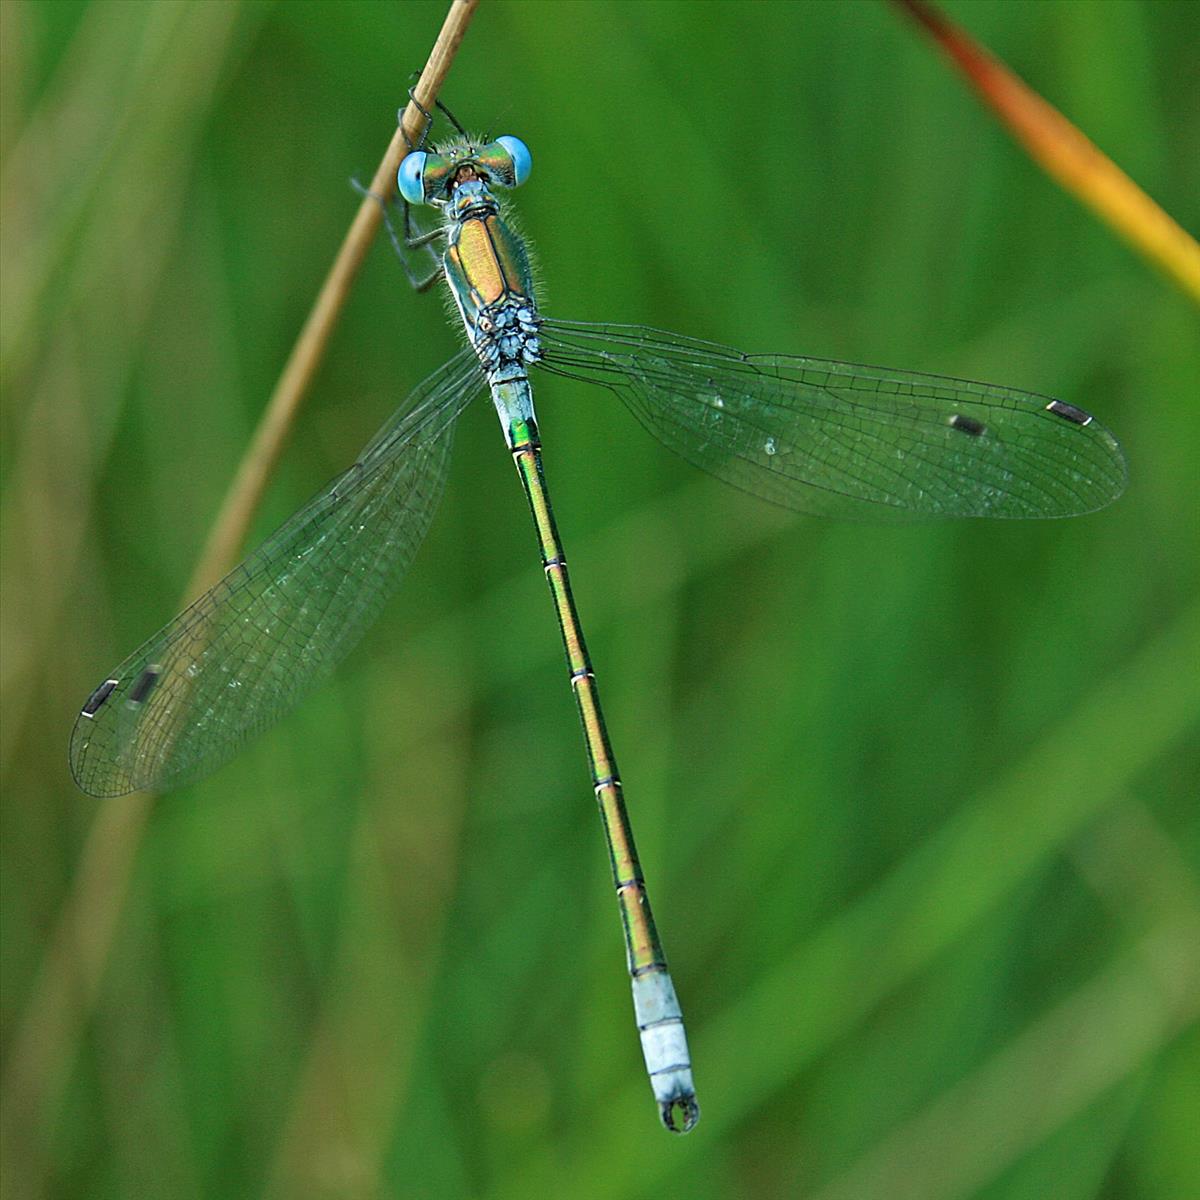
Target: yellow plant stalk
(1066, 154)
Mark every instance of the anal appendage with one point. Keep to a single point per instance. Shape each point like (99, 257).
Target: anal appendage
(664, 1045)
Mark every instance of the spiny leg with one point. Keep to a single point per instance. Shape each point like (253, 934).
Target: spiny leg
(451, 118)
(410, 241)
(412, 98)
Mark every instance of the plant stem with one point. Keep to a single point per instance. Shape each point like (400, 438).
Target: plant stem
(72, 969)
(262, 455)
(1066, 154)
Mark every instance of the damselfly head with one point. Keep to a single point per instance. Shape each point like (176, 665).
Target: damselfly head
(430, 177)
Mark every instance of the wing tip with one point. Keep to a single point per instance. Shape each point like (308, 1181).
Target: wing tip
(91, 776)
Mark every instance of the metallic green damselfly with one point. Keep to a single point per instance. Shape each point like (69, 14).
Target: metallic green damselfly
(813, 435)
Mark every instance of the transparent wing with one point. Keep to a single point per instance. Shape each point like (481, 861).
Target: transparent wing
(838, 439)
(245, 652)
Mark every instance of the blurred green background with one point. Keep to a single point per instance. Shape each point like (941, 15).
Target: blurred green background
(917, 806)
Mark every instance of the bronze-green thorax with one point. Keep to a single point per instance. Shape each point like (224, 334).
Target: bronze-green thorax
(488, 272)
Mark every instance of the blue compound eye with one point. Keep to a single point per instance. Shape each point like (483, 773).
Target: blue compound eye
(521, 158)
(410, 178)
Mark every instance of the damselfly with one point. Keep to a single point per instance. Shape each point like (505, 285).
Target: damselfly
(810, 434)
